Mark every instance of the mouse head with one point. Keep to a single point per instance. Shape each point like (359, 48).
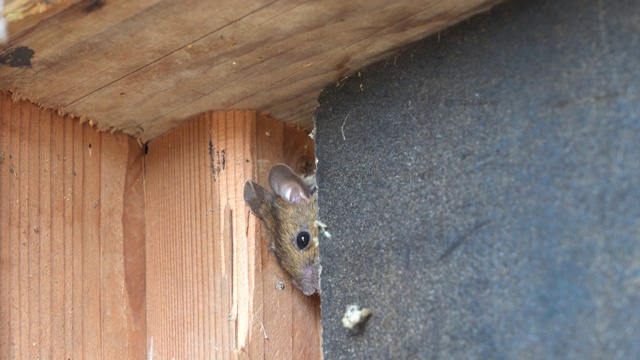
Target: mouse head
(289, 215)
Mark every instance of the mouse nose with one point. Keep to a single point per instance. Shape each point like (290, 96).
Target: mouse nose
(309, 291)
(311, 279)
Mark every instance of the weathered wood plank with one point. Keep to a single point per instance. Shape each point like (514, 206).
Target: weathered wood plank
(211, 280)
(145, 66)
(69, 197)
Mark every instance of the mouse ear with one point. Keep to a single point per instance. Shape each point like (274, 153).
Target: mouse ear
(255, 196)
(287, 184)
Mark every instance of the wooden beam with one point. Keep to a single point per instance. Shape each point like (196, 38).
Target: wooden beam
(70, 285)
(145, 66)
(212, 285)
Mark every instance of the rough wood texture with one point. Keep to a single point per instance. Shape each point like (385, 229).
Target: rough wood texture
(211, 282)
(70, 285)
(147, 65)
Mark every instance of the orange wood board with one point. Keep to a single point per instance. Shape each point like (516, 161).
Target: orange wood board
(211, 281)
(145, 66)
(72, 259)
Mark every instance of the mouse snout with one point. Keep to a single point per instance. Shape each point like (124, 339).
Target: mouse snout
(310, 281)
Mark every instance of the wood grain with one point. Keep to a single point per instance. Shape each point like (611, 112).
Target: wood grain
(71, 238)
(145, 66)
(211, 282)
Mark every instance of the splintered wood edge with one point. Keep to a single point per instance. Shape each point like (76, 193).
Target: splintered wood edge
(17, 97)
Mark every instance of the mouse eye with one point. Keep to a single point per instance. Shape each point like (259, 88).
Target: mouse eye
(303, 239)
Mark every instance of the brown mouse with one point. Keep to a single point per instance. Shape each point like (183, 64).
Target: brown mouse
(290, 215)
